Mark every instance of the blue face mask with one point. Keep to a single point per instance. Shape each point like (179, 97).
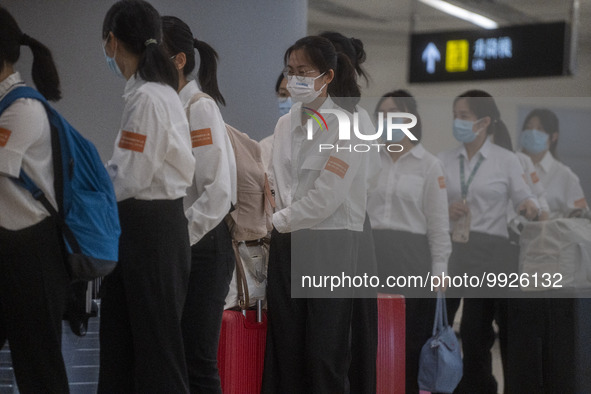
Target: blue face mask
(397, 134)
(533, 141)
(284, 105)
(113, 64)
(463, 130)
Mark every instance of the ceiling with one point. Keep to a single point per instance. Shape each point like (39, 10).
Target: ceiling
(394, 19)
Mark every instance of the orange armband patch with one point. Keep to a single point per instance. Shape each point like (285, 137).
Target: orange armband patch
(441, 181)
(201, 137)
(534, 177)
(132, 141)
(4, 136)
(581, 203)
(337, 166)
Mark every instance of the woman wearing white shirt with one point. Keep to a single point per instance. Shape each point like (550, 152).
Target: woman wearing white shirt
(539, 139)
(409, 218)
(151, 168)
(482, 179)
(208, 201)
(320, 199)
(33, 277)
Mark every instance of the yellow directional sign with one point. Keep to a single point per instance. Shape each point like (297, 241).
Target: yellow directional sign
(456, 55)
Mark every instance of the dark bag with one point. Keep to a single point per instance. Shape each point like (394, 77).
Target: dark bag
(440, 363)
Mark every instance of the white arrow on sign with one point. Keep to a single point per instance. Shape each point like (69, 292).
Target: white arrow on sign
(430, 56)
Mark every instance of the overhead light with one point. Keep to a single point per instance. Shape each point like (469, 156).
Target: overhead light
(462, 13)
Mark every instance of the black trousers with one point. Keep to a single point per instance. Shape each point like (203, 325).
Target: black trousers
(33, 288)
(212, 266)
(403, 253)
(308, 339)
(142, 302)
(482, 253)
(364, 323)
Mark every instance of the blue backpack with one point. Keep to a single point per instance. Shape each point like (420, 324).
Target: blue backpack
(87, 217)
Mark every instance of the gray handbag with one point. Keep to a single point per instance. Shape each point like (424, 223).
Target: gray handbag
(440, 362)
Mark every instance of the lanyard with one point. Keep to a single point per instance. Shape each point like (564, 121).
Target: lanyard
(462, 176)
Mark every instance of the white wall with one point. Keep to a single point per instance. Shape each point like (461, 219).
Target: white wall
(249, 36)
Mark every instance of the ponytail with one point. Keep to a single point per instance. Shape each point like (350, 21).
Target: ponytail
(155, 66)
(44, 71)
(208, 70)
(352, 47)
(178, 38)
(136, 23)
(500, 134)
(344, 88)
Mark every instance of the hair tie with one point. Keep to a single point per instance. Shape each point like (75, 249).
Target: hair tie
(150, 41)
(25, 39)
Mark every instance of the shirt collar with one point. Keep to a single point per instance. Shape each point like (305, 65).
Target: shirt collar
(9, 82)
(484, 149)
(132, 85)
(547, 162)
(188, 91)
(297, 111)
(418, 151)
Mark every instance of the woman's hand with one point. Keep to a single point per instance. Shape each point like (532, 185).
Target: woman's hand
(529, 209)
(442, 284)
(457, 210)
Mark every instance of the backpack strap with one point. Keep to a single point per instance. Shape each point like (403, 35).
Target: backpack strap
(269, 194)
(194, 99)
(241, 281)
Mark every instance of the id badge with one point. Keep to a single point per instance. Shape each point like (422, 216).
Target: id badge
(461, 230)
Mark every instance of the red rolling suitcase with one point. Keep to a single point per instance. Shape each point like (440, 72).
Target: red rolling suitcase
(391, 344)
(241, 352)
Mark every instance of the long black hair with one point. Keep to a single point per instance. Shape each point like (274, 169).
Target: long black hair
(483, 104)
(136, 23)
(44, 71)
(343, 88)
(406, 103)
(179, 38)
(352, 47)
(549, 121)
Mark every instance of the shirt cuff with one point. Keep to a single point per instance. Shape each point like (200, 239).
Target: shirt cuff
(438, 268)
(281, 221)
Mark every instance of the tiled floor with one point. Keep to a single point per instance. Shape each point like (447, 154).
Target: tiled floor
(81, 356)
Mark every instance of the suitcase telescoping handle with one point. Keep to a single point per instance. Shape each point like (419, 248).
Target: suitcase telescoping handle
(259, 311)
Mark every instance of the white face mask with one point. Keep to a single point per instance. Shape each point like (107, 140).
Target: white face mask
(303, 90)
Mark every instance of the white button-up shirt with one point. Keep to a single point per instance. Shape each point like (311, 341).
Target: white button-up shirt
(533, 180)
(563, 188)
(25, 142)
(411, 196)
(317, 190)
(499, 179)
(152, 158)
(213, 191)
